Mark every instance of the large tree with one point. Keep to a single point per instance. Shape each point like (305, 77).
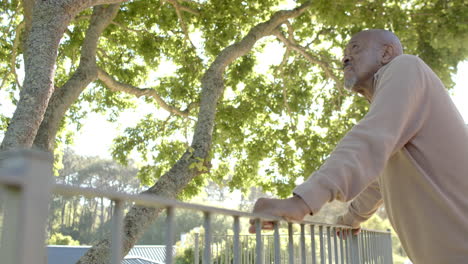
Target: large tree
(229, 118)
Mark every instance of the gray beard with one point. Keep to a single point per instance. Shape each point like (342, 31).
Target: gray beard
(350, 83)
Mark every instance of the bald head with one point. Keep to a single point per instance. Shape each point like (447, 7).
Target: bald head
(381, 37)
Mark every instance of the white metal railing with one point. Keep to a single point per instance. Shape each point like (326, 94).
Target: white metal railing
(314, 243)
(26, 180)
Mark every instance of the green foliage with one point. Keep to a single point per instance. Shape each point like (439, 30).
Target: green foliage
(60, 239)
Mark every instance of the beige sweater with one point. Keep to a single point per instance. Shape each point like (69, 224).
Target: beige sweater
(410, 152)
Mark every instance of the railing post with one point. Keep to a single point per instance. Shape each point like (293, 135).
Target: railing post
(117, 232)
(335, 244)
(355, 257)
(347, 246)
(26, 206)
(329, 249)
(290, 244)
(312, 244)
(277, 243)
(236, 241)
(322, 247)
(170, 225)
(303, 245)
(342, 253)
(196, 250)
(258, 244)
(11, 197)
(207, 249)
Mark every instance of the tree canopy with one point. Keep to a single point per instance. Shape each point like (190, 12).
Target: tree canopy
(222, 111)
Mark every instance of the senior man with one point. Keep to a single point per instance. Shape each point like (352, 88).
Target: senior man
(409, 152)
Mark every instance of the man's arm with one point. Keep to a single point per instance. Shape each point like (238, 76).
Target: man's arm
(397, 112)
(295, 209)
(362, 207)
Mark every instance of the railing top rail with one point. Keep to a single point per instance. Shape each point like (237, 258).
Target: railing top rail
(153, 200)
(158, 201)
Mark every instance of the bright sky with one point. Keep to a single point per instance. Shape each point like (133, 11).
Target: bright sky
(95, 138)
(460, 93)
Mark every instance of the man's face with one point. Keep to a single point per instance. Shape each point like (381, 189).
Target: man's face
(360, 62)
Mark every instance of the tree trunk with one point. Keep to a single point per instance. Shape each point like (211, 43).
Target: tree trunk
(47, 20)
(86, 72)
(177, 178)
(49, 23)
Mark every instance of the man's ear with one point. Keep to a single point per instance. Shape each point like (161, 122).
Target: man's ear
(388, 54)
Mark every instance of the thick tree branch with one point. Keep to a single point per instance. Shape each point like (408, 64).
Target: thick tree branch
(86, 72)
(313, 59)
(117, 86)
(172, 182)
(49, 21)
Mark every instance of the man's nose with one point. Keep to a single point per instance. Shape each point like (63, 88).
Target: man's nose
(345, 60)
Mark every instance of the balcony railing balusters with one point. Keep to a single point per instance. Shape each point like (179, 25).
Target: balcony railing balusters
(259, 244)
(312, 242)
(303, 245)
(236, 248)
(277, 243)
(196, 250)
(342, 253)
(322, 246)
(335, 244)
(329, 248)
(117, 232)
(170, 234)
(207, 249)
(290, 244)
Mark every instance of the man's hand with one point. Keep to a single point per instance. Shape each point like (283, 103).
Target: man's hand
(354, 231)
(291, 209)
(343, 220)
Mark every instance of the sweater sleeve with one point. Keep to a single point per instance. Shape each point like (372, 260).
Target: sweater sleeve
(396, 114)
(363, 206)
